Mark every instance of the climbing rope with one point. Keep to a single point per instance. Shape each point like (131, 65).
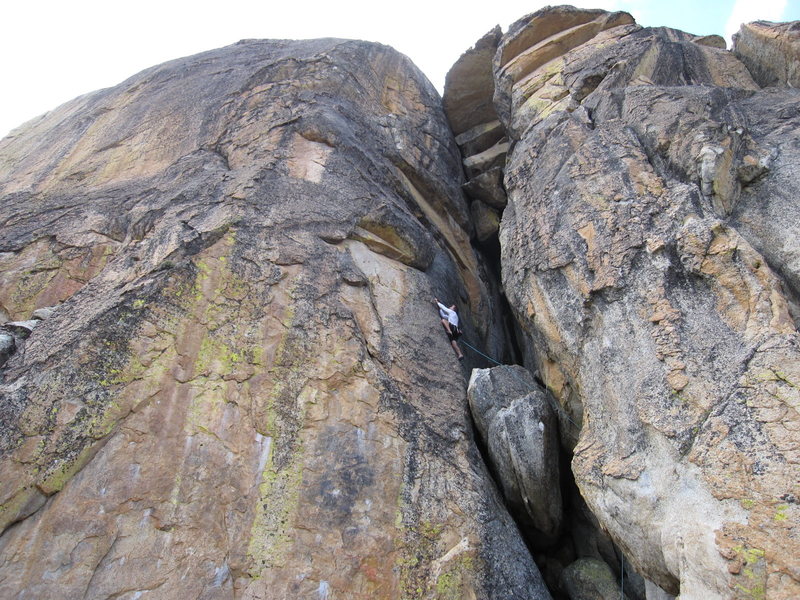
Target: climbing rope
(621, 576)
(481, 353)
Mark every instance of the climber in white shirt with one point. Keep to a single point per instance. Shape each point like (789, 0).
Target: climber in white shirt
(450, 323)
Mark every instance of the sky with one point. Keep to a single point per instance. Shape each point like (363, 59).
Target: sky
(54, 50)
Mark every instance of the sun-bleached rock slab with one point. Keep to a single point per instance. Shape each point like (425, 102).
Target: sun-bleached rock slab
(771, 51)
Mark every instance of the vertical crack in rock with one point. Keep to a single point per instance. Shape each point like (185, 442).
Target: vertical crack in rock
(648, 253)
(223, 373)
(243, 388)
(510, 443)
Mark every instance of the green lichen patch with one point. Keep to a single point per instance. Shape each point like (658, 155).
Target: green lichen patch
(752, 578)
(780, 512)
(21, 504)
(60, 473)
(116, 365)
(538, 107)
(456, 578)
(45, 273)
(279, 493)
(219, 357)
(428, 568)
(776, 375)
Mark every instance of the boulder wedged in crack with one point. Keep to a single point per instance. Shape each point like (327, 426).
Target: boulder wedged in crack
(519, 427)
(643, 255)
(245, 389)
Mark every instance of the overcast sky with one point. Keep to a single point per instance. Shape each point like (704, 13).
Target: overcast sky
(54, 50)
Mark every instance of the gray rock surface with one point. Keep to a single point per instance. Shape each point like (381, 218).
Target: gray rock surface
(519, 427)
(7, 346)
(591, 579)
(645, 259)
(488, 188)
(43, 313)
(653, 592)
(245, 391)
(486, 220)
(21, 328)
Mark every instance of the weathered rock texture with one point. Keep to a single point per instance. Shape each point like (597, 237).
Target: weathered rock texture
(771, 51)
(243, 390)
(519, 427)
(590, 579)
(469, 106)
(518, 421)
(222, 371)
(649, 250)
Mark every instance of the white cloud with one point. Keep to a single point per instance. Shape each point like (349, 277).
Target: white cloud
(747, 11)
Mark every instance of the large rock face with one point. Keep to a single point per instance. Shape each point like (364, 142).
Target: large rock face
(223, 373)
(243, 390)
(650, 254)
(771, 52)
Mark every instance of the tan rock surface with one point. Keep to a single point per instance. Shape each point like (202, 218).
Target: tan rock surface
(244, 391)
(488, 159)
(469, 85)
(771, 51)
(645, 258)
(480, 138)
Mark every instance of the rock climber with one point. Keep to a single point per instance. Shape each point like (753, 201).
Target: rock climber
(450, 323)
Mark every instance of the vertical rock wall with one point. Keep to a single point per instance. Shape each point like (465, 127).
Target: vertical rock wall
(480, 136)
(771, 52)
(649, 253)
(646, 262)
(243, 390)
(223, 375)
